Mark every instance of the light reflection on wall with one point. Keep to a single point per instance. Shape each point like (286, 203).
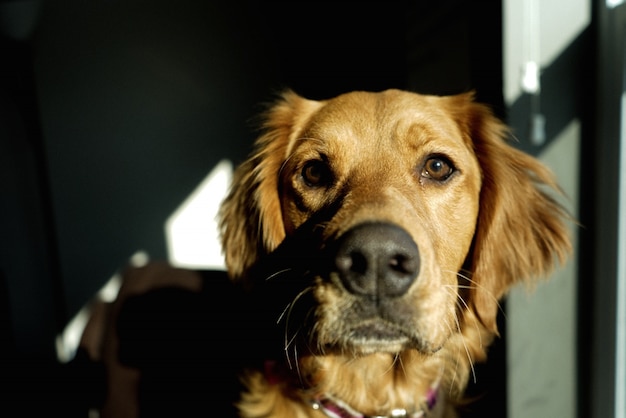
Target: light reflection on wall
(620, 332)
(191, 231)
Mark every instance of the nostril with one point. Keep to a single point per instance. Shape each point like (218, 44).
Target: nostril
(352, 262)
(397, 277)
(401, 264)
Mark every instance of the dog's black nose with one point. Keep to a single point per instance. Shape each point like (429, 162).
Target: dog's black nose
(377, 260)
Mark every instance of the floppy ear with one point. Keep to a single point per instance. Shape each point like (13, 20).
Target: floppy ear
(521, 230)
(250, 218)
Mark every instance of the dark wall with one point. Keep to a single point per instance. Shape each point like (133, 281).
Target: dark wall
(139, 100)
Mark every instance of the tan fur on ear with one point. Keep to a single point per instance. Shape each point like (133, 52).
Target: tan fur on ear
(521, 230)
(250, 217)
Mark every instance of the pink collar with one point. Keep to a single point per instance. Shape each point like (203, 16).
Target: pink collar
(335, 408)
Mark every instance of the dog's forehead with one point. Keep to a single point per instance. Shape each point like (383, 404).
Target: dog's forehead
(389, 115)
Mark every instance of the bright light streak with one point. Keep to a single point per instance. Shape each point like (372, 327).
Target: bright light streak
(191, 231)
(67, 342)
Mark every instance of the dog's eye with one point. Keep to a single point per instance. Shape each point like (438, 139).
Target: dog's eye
(316, 173)
(437, 169)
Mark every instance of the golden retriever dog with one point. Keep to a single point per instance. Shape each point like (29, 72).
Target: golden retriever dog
(368, 241)
(382, 229)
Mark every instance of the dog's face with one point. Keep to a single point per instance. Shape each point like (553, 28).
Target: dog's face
(399, 221)
(403, 183)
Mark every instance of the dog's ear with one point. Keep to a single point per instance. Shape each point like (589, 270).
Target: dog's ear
(250, 217)
(521, 229)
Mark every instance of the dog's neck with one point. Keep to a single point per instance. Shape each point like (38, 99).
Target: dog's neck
(332, 404)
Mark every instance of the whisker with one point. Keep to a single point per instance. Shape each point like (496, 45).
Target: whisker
(471, 362)
(289, 157)
(274, 275)
(284, 164)
(467, 353)
(458, 324)
(396, 359)
(456, 358)
(289, 306)
(295, 349)
(280, 317)
(461, 303)
(476, 286)
(401, 363)
(295, 359)
(289, 341)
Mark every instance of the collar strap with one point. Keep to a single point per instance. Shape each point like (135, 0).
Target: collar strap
(335, 408)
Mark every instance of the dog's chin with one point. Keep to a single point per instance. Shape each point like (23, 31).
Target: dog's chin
(378, 337)
(365, 346)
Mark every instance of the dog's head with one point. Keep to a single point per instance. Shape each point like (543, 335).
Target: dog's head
(395, 214)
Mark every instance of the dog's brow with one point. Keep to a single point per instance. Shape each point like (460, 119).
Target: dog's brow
(309, 138)
(302, 139)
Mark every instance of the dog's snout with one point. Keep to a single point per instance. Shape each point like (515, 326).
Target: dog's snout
(377, 260)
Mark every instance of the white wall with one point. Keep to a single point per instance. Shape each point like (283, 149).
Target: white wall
(541, 325)
(541, 33)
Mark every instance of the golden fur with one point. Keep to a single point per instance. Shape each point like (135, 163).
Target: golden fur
(320, 169)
